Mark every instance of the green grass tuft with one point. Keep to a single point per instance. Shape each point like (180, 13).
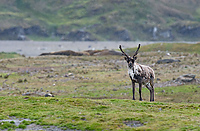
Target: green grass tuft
(4, 55)
(170, 47)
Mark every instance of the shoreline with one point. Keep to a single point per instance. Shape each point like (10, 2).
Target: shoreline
(35, 48)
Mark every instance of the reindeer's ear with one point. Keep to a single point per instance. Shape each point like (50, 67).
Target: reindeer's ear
(125, 58)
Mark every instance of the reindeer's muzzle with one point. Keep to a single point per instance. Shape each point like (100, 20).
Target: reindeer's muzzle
(130, 64)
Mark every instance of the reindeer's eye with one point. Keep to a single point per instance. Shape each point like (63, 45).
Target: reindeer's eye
(126, 58)
(135, 57)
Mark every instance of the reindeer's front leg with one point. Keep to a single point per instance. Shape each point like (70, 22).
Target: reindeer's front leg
(140, 91)
(133, 86)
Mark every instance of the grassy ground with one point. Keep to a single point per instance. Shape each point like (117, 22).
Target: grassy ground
(94, 93)
(104, 114)
(171, 47)
(4, 55)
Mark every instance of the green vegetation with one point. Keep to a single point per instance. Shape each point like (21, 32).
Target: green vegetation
(170, 47)
(105, 20)
(7, 125)
(4, 55)
(105, 114)
(94, 92)
(185, 93)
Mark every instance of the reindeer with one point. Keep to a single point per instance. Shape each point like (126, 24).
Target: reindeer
(142, 74)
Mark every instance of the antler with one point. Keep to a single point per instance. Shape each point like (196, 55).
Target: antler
(137, 50)
(120, 47)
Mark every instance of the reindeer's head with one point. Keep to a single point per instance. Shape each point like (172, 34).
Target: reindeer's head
(130, 60)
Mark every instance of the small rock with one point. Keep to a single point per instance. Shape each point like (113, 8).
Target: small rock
(163, 91)
(20, 81)
(186, 78)
(6, 76)
(49, 95)
(49, 76)
(52, 69)
(189, 76)
(69, 74)
(26, 94)
(167, 61)
(40, 93)
(168, 54)
(158, 79)
(133, 123)
(114, 89)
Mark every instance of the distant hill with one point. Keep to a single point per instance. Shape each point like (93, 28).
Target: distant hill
(102, 20)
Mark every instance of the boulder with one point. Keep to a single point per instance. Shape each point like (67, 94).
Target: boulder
(92, 52)
(167, 61)
(36, 30)
(20, 33)
(166, 34)
(49, 95)
(123, 35)
(84, 53)
(21, 37)
(11, 33)
(189, 30)
(79, 35)
(186, 78)
(107, 52)
(67, 53)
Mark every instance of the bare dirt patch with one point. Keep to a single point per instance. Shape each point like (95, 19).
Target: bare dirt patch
(133, 123)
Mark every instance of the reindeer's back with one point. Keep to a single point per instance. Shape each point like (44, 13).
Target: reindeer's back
(147, 71)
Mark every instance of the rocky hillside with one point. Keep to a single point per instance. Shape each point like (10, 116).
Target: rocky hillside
(90, 20)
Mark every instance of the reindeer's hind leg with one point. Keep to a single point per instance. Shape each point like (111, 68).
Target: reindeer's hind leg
(151, 89)
(152, 94)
